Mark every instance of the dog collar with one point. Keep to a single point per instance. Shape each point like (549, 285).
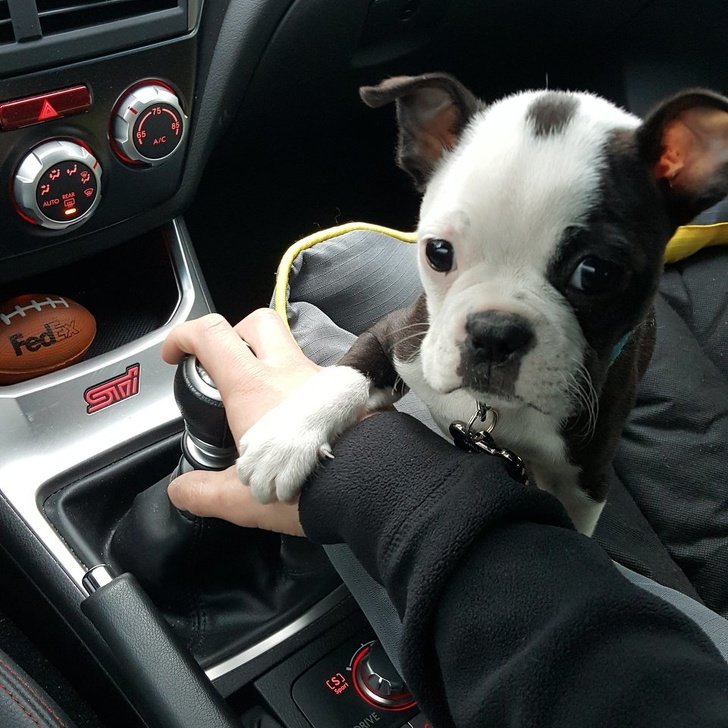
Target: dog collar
(473, 441)
(618, 347)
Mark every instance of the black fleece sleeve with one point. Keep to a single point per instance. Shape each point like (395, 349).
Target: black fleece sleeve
(510, 617)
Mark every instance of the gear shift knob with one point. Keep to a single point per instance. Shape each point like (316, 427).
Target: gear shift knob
(207, 443)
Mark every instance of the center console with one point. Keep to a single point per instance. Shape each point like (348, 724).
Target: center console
(107, 112)
(83, 484)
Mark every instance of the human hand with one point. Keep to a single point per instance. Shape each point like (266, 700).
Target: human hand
(252, 379)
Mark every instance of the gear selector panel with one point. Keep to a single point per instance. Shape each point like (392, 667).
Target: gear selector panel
(345, 688)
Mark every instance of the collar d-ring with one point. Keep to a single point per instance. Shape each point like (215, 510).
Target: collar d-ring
(481, 414)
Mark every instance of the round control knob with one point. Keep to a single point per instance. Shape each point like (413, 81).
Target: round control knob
(207, 443)
(58, 184)
(149, 124)
(377, 681)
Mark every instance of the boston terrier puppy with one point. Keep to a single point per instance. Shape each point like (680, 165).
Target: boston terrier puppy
(542, 228)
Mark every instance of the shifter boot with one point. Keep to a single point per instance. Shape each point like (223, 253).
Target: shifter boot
(221, 587)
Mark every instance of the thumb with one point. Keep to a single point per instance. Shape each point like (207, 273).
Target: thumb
(222, 495)
(202, 492)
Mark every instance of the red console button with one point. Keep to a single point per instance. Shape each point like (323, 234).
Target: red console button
(44, 107)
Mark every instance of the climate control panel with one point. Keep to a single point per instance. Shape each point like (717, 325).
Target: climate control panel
(138, 179)
(58, 184)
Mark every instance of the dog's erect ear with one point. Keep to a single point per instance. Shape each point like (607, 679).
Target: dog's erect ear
(685, 143)
(432, 110)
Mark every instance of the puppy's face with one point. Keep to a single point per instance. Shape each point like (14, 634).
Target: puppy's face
(542, 230)
(533, 252)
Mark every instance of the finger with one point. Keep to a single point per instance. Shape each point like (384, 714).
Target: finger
(186, 338)
(218, 347)
(268, 336)
(222, 495)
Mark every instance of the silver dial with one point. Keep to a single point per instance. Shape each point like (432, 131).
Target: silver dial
(58, 184)
(149, 125)
(377, 681)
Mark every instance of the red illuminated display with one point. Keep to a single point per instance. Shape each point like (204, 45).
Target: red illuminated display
(337, 683)
(157, 131)
(44, 107)
(66, 191)
(407, 703)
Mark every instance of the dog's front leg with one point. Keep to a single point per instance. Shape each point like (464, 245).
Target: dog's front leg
(282, 449)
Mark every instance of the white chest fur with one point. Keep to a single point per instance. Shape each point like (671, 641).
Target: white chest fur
(529, 433)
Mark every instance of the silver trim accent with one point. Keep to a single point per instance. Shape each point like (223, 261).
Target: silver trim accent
(97, 577)
(36, 164)
(379, 689)
(47, 432)
(194, 11)
(307, 618)
(206, 456)
(201, 379)
(128, 111)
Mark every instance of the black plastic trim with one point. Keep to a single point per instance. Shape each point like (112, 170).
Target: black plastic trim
(84, 42)
(25, 20)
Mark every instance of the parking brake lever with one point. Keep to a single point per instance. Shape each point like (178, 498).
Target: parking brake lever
(163, 681)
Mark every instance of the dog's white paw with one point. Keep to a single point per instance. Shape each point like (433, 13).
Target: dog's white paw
(283, 448)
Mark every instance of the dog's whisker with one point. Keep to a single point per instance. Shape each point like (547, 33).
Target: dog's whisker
(579, 385)
(396, 386)
(403, 340)
(424, 325)
(591, 400)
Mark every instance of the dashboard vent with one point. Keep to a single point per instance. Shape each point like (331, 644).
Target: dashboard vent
(60, 16)
(6, 25)
(48, 33)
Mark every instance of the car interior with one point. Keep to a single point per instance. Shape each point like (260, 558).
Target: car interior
(157, 158)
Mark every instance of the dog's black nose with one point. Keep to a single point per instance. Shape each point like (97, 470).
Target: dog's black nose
(495, 336)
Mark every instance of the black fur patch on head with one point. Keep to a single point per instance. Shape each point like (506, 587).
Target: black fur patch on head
(551, 113)
(627, 226)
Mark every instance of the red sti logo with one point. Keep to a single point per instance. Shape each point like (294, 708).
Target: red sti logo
(113, 390)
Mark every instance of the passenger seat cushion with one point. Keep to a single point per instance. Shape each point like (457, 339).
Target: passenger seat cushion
(673, 456)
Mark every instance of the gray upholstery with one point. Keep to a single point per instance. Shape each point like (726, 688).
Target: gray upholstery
(674, 451)
(667, 516)
(715, 626)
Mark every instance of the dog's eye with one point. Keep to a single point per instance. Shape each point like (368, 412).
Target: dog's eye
(440, 255)
(594, 275)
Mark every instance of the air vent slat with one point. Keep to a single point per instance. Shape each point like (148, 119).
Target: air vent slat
(6, 32)
(58, 16)
(6, 27)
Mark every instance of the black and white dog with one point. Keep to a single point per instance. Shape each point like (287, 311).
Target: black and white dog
(541, 236)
